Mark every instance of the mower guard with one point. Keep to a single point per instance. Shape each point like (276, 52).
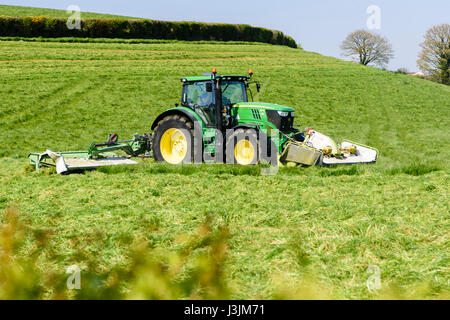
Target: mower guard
(319, 149)
(75, 160)
(299, 153)
(364, 154)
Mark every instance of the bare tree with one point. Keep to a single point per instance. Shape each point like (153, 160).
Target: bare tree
(368, 48)
(434, 59)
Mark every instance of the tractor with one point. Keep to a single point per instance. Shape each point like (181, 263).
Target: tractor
(216, 122)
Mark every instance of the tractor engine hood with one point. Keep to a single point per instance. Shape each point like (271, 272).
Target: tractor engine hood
(281, 117)
(264, 106)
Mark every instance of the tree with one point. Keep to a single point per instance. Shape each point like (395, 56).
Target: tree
(434, 59)
(368, 47)
(402, 71)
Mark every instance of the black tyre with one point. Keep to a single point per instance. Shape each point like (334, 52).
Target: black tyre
(242, 147)
(173, 140)
(268, 151)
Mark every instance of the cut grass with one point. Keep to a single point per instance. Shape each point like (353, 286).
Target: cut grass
(126, 41)
(329, 224)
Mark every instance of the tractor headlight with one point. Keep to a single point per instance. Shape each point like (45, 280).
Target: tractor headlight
(283, 113)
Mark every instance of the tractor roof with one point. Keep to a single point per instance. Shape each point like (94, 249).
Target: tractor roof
(210, 77)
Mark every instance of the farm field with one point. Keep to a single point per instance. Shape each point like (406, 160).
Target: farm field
(37, 12)
(262, 237)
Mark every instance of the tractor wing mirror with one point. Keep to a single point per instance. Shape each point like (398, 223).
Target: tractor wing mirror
(258, 87)
(209, 87)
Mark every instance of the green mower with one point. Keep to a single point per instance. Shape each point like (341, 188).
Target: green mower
(216, 122)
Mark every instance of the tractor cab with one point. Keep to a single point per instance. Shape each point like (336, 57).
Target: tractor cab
(211, 96)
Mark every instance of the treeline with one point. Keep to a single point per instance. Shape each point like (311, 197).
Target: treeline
(48, 27)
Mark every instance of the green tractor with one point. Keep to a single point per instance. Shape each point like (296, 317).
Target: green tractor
(217, 109)
(217, 122)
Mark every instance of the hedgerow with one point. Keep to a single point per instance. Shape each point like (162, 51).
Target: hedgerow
(49, 27)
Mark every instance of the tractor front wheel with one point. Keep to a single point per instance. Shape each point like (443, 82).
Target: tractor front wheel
(173, 140)
(242, 147)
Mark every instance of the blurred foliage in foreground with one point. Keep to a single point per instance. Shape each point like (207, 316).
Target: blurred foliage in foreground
(194, 271)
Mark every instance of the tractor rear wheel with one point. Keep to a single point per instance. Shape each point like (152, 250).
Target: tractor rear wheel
(242, 147)
(173, 140)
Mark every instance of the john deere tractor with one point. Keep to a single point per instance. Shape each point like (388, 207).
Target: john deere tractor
(217, 122)
(217, 109)
(232, 129)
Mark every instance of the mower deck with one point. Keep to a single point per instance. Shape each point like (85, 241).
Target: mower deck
(75, 161)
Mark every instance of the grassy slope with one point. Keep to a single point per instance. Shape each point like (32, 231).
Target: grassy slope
(393, 215)
(36, 12)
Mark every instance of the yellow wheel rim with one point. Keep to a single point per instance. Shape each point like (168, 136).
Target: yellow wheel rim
(173, 146)
(244, 152)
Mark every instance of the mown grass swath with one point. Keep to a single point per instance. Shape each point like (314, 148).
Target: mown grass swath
(305, 232)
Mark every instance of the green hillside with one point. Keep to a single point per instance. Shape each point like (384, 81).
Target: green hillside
(36, 12)
(304, 228)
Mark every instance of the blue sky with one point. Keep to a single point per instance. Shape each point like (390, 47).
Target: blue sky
(318, 25)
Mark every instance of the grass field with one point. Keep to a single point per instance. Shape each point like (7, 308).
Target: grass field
(37, 12)
(304, 233)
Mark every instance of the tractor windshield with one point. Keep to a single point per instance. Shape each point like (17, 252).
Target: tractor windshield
(196, 96)
(233, 92)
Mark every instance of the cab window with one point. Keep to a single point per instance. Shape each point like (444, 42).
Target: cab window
(196, 96)
(233, 92)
